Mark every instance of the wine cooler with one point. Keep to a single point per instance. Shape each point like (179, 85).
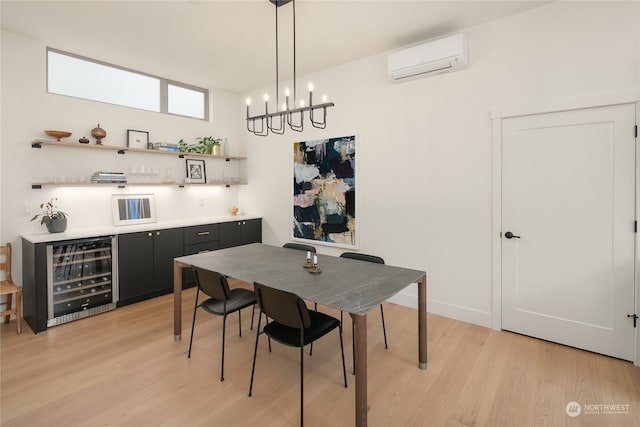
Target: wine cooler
(81, 278)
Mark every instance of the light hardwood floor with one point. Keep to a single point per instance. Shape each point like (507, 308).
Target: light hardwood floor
(123, 368)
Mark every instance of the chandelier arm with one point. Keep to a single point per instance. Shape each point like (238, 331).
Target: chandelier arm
(319, 124)
(277, 130)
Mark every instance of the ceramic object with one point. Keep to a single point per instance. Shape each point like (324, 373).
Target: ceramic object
(58, 134)
(83, 140)
(98, 133)
(234, 211)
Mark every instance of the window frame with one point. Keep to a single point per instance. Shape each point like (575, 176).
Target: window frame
(163, 90)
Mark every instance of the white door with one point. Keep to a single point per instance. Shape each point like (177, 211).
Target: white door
(568, 192)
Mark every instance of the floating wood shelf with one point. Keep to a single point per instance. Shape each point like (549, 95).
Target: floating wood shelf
(39, 143)
(39, 185)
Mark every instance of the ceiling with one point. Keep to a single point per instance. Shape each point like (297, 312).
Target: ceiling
(230, 45)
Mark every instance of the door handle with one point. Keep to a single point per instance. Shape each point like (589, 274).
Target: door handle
(510, 235)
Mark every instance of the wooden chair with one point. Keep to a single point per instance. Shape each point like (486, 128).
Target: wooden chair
(8, 288)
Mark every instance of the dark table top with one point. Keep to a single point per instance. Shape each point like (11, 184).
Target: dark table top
(345, 284)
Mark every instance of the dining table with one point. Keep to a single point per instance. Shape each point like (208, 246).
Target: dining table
(344, 284)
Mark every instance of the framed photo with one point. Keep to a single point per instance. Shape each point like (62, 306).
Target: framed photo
(324, 192)
(137, 139)
(129, 209)
(196, 173)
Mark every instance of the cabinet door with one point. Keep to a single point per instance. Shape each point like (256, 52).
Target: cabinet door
(230, 234)
(135, 264)
(168, 244)
(251, 231)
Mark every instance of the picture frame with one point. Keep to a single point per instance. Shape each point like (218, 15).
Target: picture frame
(137, 139)
(196, 172)
(130, 209)
(324, 195)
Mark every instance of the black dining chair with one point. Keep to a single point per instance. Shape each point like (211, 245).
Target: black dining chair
(221, 302)
(292, 324)
(377, 260)
(305, 248)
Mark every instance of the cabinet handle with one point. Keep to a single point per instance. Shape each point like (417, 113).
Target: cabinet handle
(203, 233)
(157, 233)
(204, 250)
(244, 222)
(149, 234)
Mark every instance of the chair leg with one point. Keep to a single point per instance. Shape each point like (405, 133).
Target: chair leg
(344, 368)
(255, 353)
(193, 325)
(353, 346)
(315, 308)
(18, 313)
(8, 307)
(384, 330)
(302, 384)
(224, 329)
(253, 310)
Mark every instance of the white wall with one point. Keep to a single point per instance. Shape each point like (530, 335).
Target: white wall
(424, 155)
(425, 146)
(27, 110)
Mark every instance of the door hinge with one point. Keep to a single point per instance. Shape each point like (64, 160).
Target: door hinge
(635, 318)
(636, 131)
(635, 226)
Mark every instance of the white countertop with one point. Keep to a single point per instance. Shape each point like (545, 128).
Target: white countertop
(82, 233)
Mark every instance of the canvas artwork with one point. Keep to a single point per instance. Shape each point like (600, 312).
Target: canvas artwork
(324, 191)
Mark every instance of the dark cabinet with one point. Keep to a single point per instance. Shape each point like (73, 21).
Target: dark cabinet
(199, 239)
(242, 232)
(146, 263)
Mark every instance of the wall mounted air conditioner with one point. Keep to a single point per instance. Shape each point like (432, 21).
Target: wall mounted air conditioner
(427, 59)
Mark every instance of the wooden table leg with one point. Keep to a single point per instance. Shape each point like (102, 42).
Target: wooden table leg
(422, 322)
(177, 299)
(360, 352)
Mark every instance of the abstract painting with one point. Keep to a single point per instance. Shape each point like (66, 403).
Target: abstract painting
(324, 191)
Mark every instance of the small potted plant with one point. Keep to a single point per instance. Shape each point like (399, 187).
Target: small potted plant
(210, 145)
(54, 219)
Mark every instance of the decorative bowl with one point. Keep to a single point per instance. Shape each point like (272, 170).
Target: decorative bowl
(58, 134)
(236, 179)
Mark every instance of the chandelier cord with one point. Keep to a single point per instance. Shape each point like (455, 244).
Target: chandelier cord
(294, 53)
(277, 62)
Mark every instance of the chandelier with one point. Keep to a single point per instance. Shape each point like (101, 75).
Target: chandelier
(288, 115)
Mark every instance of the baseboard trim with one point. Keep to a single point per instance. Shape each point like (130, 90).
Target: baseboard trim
(465, 314)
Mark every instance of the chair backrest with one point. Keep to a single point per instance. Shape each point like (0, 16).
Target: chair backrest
(362, 257)
(212, 283)
(300, 247)
(282, 306)
(5, 261)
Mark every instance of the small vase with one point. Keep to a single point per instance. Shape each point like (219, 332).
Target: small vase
(57, 225)
(98, 133)
(215, 150)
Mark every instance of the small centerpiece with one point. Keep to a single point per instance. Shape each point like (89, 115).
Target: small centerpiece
(54, 219)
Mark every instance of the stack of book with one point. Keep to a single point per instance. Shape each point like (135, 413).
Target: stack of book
(109, 177)
(165, 146)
